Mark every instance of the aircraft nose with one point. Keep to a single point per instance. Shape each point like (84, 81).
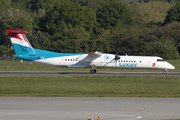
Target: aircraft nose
(170, 66)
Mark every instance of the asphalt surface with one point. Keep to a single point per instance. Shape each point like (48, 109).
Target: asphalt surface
(157, 74)
(80, 108)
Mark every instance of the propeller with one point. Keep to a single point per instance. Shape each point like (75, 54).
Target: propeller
(116, 57)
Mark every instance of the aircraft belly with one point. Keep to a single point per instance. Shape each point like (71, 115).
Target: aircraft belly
(50, 61)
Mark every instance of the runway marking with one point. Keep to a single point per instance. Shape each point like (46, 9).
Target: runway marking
(129, 117)
(134, 117)
(136, 108)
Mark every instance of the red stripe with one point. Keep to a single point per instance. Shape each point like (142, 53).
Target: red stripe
(16, 31)
(15, 35)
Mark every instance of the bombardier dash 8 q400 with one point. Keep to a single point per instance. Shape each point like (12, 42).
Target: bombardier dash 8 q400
(24, 50)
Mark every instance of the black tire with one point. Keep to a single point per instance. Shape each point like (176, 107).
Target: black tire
(91, 71)
(165, 72)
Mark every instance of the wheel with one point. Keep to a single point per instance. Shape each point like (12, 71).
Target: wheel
(165, 72)
(91, 71)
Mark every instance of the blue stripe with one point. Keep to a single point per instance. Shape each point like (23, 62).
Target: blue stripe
(23, 52)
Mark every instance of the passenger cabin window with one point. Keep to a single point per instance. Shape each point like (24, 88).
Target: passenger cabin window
(160, 60)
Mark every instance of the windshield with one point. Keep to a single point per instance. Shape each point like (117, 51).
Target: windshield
(160, 60)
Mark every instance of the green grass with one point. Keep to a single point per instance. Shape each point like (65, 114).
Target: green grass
(90, 86)
(26, 66)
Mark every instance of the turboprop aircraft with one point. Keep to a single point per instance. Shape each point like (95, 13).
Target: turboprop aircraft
(93, 60)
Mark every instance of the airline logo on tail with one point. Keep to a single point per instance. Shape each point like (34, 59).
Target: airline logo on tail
(20, 42)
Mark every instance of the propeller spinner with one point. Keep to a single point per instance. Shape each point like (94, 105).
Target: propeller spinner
(116, 56)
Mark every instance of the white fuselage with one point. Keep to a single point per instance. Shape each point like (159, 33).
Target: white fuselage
(107, 61)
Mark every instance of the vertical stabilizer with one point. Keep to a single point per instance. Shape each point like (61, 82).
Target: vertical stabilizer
(20, 42)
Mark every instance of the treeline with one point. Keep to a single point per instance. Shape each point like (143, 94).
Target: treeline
(140, 27)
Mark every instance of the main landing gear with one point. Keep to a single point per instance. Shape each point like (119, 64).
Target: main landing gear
(93, 70)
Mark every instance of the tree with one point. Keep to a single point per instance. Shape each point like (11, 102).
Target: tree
(173, 14)
(151, 12)
(4, 4)
(114, 14)
(93, 4)
(69, 17)
(36, 5)
(13, 19)
(81, 2)
(4, 50)
(39, 39)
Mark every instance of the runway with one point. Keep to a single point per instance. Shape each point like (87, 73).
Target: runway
(154, 74)
(80, 108)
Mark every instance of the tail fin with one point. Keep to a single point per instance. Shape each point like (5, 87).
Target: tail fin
(20, 42)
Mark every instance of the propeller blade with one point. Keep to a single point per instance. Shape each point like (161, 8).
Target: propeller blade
(117, 52)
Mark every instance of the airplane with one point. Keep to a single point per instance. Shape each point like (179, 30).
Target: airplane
(93, 60)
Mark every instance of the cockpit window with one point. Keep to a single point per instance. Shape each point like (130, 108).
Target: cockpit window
(160, 60)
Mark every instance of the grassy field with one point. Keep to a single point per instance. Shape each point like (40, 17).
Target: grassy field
(90, 86)
(27, 66)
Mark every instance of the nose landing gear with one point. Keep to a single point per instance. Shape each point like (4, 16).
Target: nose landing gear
(165, 71)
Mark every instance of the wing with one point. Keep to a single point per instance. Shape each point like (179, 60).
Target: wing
(89, 57)
(87, 60)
